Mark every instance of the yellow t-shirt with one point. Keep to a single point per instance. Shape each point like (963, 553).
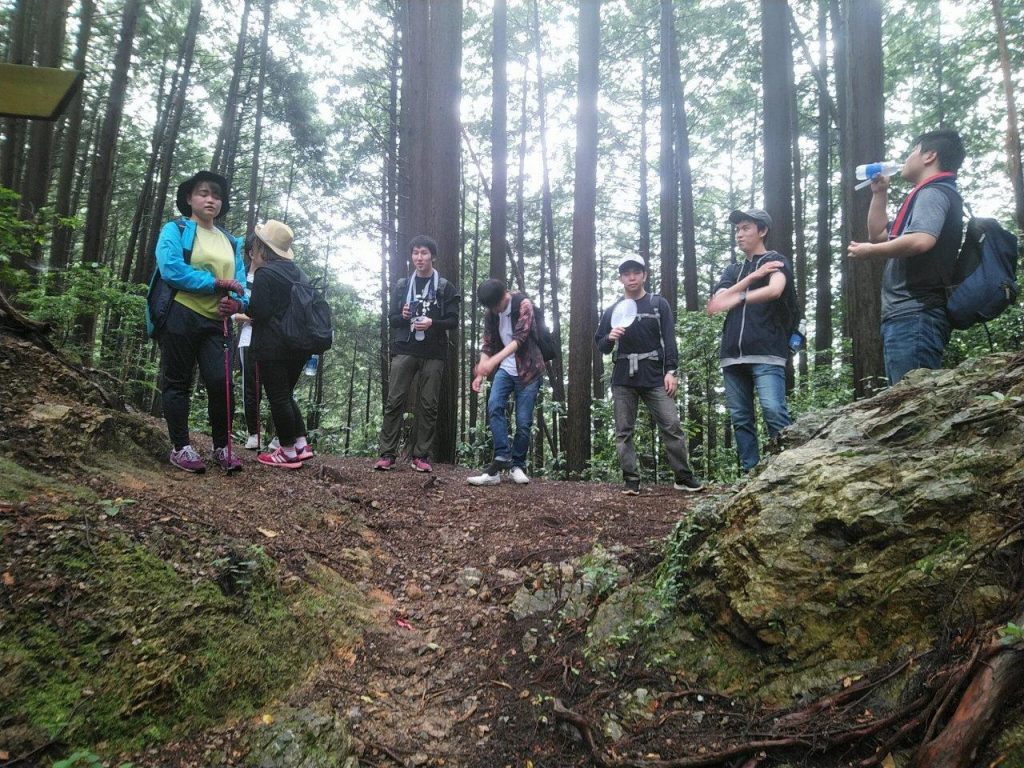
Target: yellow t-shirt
(211, 251)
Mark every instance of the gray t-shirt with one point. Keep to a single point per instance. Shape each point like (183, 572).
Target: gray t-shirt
(914, 283)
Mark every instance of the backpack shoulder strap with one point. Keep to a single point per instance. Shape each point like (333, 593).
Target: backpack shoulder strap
(186, 253)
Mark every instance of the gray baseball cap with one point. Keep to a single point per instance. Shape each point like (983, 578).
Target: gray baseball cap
(635, 260)
(755, 215)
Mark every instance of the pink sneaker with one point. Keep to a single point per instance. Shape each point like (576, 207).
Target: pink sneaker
(188, 459)
(229, 464)
(304, 453)
(421, 465)
(384, 463)
(280, 459)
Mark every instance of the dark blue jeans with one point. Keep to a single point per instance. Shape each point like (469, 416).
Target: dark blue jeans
(503, 387)
(915, 341)
(740, 383)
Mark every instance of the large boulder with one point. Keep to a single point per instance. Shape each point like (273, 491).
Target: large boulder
(881, 525)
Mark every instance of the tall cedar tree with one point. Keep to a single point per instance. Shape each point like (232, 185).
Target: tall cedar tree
(584, 243)
(429, 163)
(823, 246)
(102, 174)
(668, 205)
(862, 140)
(1013, 150)
(499, 140)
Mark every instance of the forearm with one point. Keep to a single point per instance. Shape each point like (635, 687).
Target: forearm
(878, 220)
(508, 349)
(912, 244)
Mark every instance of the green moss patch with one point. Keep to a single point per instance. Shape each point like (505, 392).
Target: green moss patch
(114, 649)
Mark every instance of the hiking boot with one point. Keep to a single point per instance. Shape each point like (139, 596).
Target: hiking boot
(421, 465)
(631, 488)
(279, 459)
(253, 443)
(688, 483)
(304, 453)
(491, 475)
(384, 463)
(519, 476)
(188, 460)
(228, 462)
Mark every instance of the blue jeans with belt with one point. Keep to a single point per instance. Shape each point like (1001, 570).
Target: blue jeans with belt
(741, 381)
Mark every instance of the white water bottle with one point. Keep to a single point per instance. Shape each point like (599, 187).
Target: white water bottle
(868, 171)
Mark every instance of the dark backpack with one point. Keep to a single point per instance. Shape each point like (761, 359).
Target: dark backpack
(984, 276)
(305, 325)
(160, 296)
(789, 308)
(539, 331)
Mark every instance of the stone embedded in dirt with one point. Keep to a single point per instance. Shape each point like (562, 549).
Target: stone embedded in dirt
(302, 737)
(413, 591)
(509, 576)
(469, 578)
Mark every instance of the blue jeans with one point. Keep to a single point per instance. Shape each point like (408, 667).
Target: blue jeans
(502, 388)
(914, 341)
(740, 383)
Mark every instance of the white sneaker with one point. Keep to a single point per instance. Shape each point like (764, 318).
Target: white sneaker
(253, 443)
(519, 476)
(485, 479)
(273, 445)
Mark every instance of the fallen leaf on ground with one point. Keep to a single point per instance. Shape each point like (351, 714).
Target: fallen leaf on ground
(268, 533)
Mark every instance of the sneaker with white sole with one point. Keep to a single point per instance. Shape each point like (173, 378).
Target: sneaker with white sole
(519, 476)
(279, 459)
(253, 443)
(274, 444)
(187, 459)
(688, 483)
(304, 453)
(491, 475)
(631, 488)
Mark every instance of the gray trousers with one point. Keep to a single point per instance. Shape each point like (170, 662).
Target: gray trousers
(626, 401)
(403, 371)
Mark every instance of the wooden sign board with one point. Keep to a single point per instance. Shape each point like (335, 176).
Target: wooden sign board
(39, 93)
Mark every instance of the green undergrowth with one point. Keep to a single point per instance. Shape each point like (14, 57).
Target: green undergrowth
(106, 646)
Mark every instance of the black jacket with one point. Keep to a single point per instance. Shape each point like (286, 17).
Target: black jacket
(755, 333)
(444, 311)
(271, 295)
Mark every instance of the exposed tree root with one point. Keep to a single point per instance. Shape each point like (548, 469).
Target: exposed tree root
(991, 675)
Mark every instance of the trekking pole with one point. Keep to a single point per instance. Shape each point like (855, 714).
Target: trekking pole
(259, 399)
(227, 383)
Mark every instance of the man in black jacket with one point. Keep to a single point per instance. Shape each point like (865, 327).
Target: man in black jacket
(424, 306)
(644, 369)
(755, 337)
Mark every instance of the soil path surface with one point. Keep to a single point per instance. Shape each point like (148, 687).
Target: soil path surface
(443, 676)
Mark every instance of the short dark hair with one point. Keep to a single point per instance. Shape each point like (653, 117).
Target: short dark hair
(422, 241)
(490, 292)
(947, 145)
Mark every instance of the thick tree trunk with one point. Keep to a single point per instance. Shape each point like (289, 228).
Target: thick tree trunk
(1013, 148)
(227, 123)
(102, 174)
(39, 162)
(19, 52)
(390, 263)
(60, 245)
(499, 140)
(668, 201)
(644, 216)
(823, 246)
(862, 140)
(520, 238)
(777, 86)
(254, 177)
(548, 229)
(581, 297)
(429, 163)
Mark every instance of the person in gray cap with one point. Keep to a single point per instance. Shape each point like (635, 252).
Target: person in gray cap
(755, 337)
(645, 356)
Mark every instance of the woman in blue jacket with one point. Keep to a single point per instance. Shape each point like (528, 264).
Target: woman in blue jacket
(203, 264)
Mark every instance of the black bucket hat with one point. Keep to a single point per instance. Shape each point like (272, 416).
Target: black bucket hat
(186, 187)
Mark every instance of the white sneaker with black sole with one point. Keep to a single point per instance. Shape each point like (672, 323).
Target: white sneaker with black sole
(519, 476)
